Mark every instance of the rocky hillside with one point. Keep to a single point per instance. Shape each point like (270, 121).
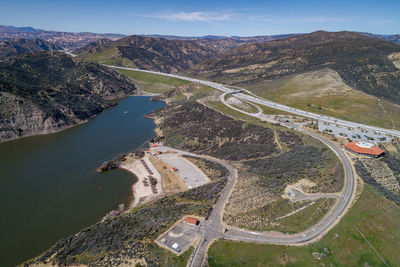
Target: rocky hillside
(362, 62)
(165, 53)
(47, 92)
(92, 47)
(222, 44)
(23, 46)
(148, 53)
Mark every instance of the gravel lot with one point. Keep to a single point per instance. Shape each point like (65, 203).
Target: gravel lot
(192, 175)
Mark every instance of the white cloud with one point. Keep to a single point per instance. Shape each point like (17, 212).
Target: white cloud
(244, 15)
(190, 16)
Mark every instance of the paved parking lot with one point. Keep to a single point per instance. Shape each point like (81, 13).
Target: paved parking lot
(179, 238)
(190, 173)
(354, 134)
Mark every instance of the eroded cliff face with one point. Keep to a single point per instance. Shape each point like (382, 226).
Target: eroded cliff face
(23, 118)
(395, 58)
(44, 93)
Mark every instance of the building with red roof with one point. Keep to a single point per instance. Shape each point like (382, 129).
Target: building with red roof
(191, 220)
(364, 148)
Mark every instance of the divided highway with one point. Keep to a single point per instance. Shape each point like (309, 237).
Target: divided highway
(214, 227)
(253, 98)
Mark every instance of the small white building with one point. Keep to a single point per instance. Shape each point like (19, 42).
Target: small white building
(175, 246)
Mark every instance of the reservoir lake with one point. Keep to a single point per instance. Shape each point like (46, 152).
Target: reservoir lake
(49, 185)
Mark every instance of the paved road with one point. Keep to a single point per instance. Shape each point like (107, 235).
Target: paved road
(259, 110)
(298, 195)
(258, 100)
(213, 228)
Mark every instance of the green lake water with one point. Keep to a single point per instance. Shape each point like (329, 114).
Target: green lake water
(49, 185)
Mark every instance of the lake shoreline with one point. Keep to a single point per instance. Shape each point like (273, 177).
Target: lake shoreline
(67, 186)
(59, 127)
(142, 189)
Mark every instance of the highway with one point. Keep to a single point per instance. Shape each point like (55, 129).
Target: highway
(214, 227)
(258, 100)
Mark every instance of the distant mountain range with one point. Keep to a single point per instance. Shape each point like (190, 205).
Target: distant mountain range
(68, 40)
(394, 38)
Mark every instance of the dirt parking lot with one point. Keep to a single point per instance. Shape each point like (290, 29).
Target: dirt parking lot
(190, 173)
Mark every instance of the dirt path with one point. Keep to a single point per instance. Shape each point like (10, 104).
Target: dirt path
(276, 137)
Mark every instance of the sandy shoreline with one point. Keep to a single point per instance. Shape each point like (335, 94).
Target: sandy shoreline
(142, 189)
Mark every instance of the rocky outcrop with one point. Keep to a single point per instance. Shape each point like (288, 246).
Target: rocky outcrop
(45, 93)
(21, 118)
(395, 58)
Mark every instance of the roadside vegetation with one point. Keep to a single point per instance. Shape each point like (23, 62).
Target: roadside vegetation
(383, 174)
(375, 216)
(324, 92)
(239, 104)
(268, 157)
(194, 127)
(211, 169)
(301, 219)
(152, 83)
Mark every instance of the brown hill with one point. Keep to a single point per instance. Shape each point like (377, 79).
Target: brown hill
(148, 53)
(363, 62)
(23, 46)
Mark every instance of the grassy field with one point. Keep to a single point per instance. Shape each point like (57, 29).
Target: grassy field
(301, 220)
(324, 92)
(154, 83)
(376, 217)
(110, 57)
(238, 115)
(170, 259)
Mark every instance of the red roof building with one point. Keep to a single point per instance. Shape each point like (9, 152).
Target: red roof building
(364, 148)
(192, 221)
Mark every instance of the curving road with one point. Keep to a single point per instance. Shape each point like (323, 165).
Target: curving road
(258, 100)
(214, 228)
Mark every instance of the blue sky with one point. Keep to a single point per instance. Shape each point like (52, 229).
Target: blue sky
(197, 18)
